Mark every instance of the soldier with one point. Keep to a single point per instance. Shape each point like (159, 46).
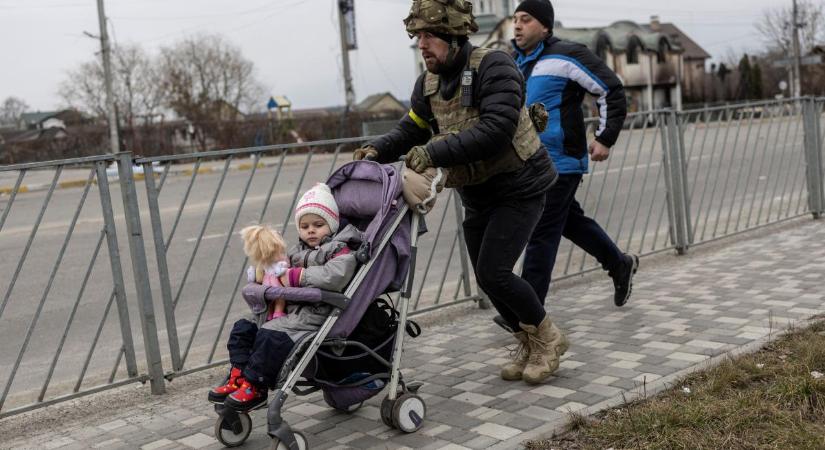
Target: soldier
(468, 115)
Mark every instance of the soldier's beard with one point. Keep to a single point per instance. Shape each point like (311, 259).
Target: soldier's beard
(438, 67)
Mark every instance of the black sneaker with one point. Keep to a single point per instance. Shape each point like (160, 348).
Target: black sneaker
(503, 324)
(623, 279)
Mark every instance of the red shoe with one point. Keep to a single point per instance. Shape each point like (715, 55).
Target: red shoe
(246, 398)
(233, 383)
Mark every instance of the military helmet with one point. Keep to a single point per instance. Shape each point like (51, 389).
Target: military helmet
(453, 17)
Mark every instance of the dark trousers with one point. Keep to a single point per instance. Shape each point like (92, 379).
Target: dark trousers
(495, 237)
(259, 352)
(563, 216)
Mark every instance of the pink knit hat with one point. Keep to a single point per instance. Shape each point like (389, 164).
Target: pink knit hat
(319, 201)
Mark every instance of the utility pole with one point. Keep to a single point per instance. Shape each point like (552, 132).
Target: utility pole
(797, 57)
(107, 73)
(344, 7)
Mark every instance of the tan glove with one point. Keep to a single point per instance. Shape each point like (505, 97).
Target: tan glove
(367, 152)
(418, 159)
(421, 189)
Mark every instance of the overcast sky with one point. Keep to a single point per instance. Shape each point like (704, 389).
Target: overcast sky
(294, 43)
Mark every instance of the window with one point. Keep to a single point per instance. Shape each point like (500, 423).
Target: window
(661, 53)
(633, 53)
(602, 45)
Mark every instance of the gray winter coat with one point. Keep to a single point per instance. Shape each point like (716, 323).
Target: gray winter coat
(323, 270)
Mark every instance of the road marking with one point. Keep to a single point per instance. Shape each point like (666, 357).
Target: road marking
(193, 207)
(219, 235)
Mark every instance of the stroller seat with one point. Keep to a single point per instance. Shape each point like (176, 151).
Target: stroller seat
(334, 359)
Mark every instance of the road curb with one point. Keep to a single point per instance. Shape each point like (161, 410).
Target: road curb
(113, 178)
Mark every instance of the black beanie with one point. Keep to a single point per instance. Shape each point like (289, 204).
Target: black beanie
(541, 10)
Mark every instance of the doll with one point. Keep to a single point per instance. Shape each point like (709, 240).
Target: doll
(266, 250)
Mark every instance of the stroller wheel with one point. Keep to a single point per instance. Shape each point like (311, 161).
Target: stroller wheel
(386, 412)
(232, 428)
(408, 413)
(300, 439)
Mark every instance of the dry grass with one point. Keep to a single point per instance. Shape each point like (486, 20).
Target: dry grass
(772, 399)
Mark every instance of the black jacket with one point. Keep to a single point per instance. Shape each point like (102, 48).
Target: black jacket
(499, 96)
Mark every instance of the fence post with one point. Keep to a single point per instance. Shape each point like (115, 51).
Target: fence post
(483, 300)
(117, 269)
(140, 270)
(163, 267)
(813, 157)
(676, 182)
(462, 250)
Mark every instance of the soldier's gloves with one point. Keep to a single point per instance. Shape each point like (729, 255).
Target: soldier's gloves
(418, 159)
(367, 152)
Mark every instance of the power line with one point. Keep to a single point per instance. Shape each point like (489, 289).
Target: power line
(269, 5)
(194, 28)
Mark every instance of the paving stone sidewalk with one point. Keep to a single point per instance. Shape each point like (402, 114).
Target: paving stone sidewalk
(684, 311)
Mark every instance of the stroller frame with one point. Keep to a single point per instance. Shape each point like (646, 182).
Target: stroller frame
(401, 409)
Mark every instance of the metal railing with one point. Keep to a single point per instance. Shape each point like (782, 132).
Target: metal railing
(67, 321)
(674, 180)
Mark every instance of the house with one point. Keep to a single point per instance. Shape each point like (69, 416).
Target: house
(281, 105)
(649, 63)
(50, 119)
(694, 58)
(34, 135)
(381, 103)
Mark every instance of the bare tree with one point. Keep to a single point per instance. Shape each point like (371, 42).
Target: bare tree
(137, 86)
(776, 26)
(11, 110)
(209, 82)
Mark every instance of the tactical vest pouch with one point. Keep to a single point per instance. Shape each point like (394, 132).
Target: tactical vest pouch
(539, 116)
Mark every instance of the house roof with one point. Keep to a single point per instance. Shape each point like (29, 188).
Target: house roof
(692, 49)
(281, 100)
(618, 36)
(373, 99)
(37, 117)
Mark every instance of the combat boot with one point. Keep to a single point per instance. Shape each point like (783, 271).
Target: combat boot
(546, 344)
(512, 370)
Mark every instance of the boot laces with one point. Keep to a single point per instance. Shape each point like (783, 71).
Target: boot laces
(537, 348)
(519, 352)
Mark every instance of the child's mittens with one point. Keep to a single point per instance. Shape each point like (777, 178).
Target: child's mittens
(293, 276)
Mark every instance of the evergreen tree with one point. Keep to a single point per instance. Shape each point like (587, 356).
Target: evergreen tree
(756, 82)
(745, 78)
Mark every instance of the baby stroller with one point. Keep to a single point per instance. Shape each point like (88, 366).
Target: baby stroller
(369, 196)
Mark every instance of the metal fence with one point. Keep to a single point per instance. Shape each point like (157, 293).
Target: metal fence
(69, 314)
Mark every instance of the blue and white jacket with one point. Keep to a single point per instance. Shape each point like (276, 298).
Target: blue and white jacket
(558, 74)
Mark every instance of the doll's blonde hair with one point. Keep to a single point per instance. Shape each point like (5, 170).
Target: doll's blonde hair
(263, 245)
